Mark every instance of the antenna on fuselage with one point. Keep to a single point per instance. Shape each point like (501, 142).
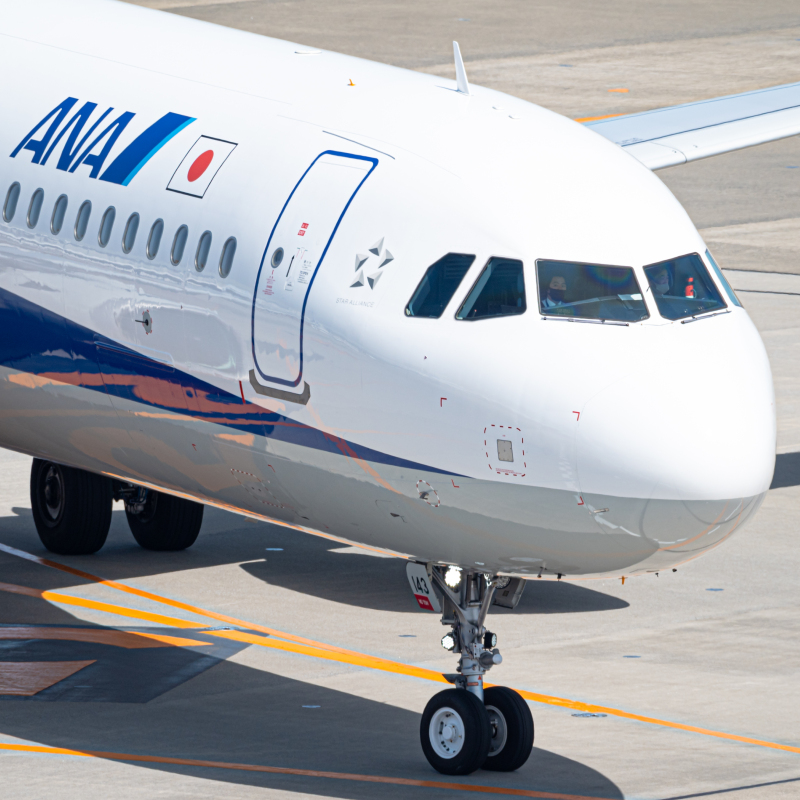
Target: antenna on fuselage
(461, 73)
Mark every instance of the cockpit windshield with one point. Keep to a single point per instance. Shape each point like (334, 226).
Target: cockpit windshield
(683, 288)
(589, 291)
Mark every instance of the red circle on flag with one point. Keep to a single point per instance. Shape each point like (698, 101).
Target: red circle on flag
(200, 165)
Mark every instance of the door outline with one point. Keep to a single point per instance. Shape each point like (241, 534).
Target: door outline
(283, 381)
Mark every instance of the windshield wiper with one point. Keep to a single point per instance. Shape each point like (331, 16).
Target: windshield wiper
(708, 314)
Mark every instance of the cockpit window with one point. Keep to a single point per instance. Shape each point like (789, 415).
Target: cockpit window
(498, 292)
(437, 286)
(589, 291)
(723, 280)
(683, 288)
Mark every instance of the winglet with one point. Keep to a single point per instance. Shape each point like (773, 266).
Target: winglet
(461, 73)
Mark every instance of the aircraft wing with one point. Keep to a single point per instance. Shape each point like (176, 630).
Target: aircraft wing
(666, 137)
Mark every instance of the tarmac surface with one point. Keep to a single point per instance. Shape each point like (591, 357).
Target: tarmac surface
(267, 663)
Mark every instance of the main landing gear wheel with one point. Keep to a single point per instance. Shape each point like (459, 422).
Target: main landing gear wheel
(511, 725)
(455, 732)
(71, 508)
(160, 521)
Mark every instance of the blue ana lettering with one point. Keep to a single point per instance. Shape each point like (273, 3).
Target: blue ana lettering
(70, 149)
(95, 161)
(37, 146)
(73, 140)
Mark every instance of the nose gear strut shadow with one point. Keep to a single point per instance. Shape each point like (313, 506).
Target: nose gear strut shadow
(469, 727)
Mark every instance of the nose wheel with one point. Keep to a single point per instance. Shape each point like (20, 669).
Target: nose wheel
(469, 727)
(511, 724)
(455, 732)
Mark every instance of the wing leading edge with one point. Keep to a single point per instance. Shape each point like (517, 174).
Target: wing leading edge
(666, 137)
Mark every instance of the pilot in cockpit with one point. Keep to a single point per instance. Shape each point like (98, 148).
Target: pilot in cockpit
(554, 296)
(661, 281)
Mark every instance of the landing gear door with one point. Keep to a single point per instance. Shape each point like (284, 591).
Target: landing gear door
(422, 587)
(294, 255)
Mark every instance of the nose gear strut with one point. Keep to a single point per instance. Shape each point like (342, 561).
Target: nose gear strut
(464, 610)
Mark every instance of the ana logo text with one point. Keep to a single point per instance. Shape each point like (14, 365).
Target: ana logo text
(92, 148)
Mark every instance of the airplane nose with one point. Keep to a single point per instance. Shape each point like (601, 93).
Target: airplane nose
(696, 423)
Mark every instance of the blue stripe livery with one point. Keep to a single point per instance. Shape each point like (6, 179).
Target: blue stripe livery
(125, 166)
(51, 346)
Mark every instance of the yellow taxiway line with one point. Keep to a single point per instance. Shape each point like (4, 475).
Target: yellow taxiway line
(595, 119)
(309, 647)
(122, 611)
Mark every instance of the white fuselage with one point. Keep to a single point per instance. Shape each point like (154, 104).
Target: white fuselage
(644, 444)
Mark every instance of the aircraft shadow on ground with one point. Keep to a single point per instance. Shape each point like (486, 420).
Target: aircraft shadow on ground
(381, 584)
(221, 711)
(787, 471)
(233, 713)
(305, 563)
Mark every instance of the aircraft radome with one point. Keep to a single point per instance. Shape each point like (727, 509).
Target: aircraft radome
(399, 310)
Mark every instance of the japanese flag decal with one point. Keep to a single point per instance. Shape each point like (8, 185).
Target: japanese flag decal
(200, 165)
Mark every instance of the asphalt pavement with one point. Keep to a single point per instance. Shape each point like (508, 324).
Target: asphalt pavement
(264, 662)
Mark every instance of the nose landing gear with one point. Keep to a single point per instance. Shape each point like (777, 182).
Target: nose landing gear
(466, 728)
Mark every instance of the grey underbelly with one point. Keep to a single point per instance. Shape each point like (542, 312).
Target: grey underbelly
(427, 515)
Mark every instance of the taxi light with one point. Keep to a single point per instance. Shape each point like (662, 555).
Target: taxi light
(449, 642)
(452, 577)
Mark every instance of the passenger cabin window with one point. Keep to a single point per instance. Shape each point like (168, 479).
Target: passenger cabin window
(723, 280)
(589, 291)
(35, 208)
(10, 205)
(59, 211)
(178, 245)
(203, 246)
(498, 292)
(226, 259)
(82, 220)
(154, 238)
(129, 236)
(438, 285)
(106, 226)
(683, 288)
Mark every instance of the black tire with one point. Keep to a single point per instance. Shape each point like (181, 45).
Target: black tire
(511, 725)
(166, 522)
(469, 744)
(71, 508)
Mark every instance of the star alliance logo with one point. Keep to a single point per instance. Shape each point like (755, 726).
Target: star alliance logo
(370, 266)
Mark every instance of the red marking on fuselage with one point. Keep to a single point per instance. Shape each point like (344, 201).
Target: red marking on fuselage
(241, 389)
(579, 415)
(441, 400)
(454, 484)
(200, 165)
